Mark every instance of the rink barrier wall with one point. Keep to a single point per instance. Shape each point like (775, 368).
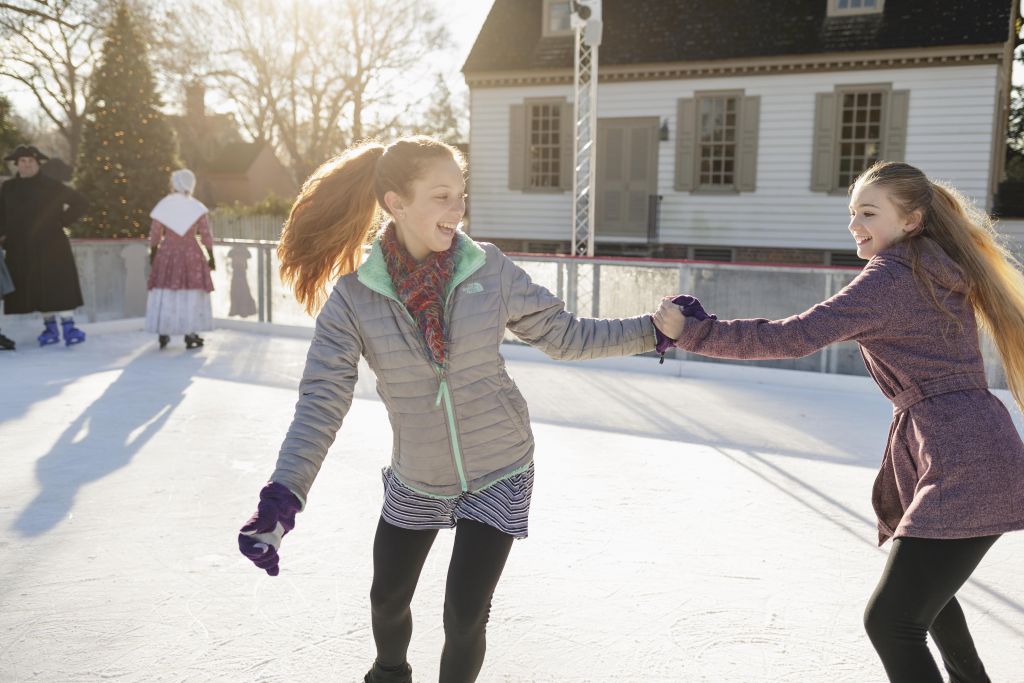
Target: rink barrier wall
(248, 293)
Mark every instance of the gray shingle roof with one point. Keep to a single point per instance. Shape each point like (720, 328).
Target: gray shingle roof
(235, 157)
(661, 31)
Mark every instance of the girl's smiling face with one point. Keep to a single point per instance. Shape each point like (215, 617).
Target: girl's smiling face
(877, 223)
(427, 220)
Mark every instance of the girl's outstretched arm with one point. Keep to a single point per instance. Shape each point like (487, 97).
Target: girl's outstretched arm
(539, 318)
(325, 395)
(861, 309)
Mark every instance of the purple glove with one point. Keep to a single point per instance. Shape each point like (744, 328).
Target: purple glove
(261, 536)
(692, 309)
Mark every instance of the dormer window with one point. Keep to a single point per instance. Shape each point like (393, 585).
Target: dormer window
(556, 18)
(844, 8)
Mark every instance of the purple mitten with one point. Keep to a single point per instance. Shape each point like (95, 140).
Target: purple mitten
(261, 536)
(692, 309)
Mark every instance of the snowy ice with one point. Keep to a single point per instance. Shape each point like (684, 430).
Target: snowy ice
(691, 522)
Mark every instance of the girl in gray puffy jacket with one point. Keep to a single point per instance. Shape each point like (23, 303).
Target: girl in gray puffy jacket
(428, 310)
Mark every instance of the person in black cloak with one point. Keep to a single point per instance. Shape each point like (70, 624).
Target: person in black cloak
(34, 210)
(6, 287)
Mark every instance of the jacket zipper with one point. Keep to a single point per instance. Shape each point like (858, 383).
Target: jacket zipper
(444, 395)
(444, 392)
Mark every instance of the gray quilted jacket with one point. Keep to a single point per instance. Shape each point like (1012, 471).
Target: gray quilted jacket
(458, 427)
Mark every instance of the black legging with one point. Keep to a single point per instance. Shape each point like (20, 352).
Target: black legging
(914, 597)
(477, 561)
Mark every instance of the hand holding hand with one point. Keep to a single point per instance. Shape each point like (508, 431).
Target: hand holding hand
(261, 536)
(669, 319)
(210, 262)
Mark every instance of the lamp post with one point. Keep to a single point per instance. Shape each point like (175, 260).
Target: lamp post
(586, 22)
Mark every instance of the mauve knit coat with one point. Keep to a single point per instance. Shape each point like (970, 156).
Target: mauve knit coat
(954, 462)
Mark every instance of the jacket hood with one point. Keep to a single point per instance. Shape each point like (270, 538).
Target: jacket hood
(933, 261)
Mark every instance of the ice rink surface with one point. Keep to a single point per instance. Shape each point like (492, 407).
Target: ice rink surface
(691, 522)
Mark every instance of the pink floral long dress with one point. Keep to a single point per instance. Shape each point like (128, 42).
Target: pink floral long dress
(179, 280)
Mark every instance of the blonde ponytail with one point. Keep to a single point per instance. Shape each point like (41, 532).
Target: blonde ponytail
(995, 276)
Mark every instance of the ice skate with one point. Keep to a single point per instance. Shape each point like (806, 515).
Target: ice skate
(50, 334)
(6, 343)
(164, 340)
(72, 335)
(193, 341)
(378, 674)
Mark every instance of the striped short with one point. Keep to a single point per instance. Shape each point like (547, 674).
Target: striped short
(504, 505)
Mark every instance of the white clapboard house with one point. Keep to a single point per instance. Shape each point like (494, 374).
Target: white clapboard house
(730, 129)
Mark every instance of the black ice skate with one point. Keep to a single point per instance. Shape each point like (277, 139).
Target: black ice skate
(378, 674)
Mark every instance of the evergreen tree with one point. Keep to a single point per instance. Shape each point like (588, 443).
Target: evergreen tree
(128, 148)
(10, 135)
(1015, 136)
(1015, 130)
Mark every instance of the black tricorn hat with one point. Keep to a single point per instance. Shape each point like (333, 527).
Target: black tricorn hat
(26, 151)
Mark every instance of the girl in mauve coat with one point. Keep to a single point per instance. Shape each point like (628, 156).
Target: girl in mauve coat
(952, 477)
(428, 310)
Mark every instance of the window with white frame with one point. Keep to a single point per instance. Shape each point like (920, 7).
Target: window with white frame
(848, 7)
(854, 126)
(544, 145)
(557, 15)
(716, 141)
(717, 124)
(860, 132)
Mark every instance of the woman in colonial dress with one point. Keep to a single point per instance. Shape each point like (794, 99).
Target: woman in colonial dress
(179, 280)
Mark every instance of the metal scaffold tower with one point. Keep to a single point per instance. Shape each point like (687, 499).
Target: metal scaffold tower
(586, 21)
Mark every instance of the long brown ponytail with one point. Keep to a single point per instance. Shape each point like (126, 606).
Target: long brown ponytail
(339, 209)
(968, 236)
(329, 222)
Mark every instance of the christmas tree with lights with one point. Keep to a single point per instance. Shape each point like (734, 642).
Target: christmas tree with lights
(128, 148)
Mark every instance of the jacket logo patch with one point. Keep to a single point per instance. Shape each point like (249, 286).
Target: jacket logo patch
(472, 288)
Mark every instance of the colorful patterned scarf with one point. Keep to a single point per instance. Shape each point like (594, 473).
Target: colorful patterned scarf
(421, 287)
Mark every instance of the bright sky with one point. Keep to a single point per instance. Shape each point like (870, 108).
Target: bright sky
(465, 17)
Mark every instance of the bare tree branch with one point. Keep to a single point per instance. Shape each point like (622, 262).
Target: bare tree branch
(309, 75)
(40, 9)
(52, 57)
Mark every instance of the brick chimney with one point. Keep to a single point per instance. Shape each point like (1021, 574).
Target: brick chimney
(195, 102)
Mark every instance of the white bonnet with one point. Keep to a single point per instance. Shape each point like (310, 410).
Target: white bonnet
(183, 180)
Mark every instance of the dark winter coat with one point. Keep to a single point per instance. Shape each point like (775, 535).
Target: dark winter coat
(33, 214)
(954, 462)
